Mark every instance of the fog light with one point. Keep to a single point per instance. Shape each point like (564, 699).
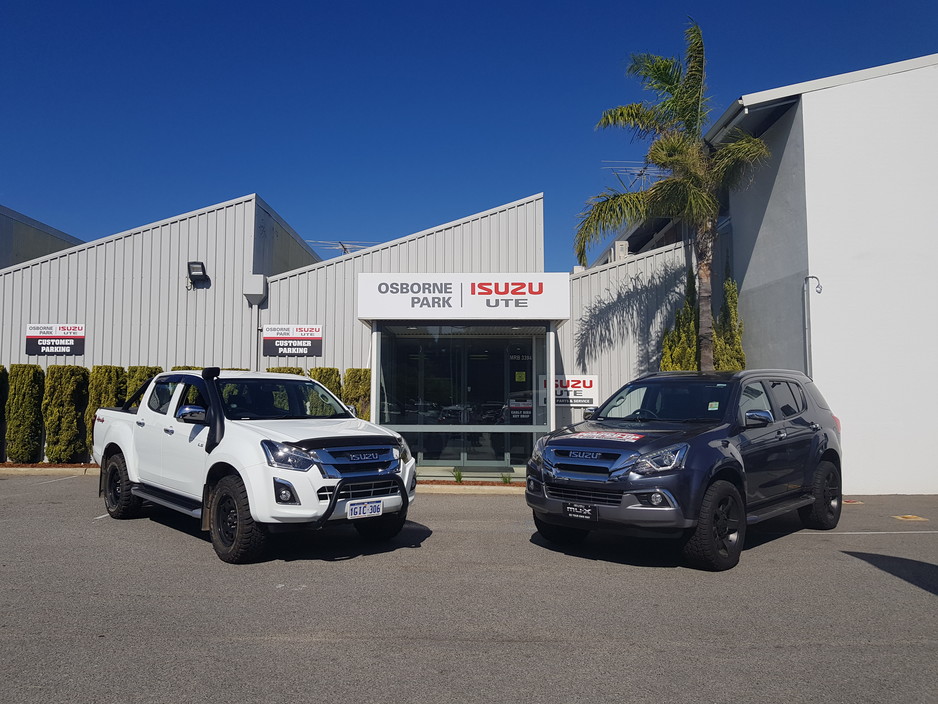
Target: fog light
(285, 495)
(284, 492)
(656, 499)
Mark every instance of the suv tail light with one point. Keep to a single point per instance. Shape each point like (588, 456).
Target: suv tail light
(836, 423)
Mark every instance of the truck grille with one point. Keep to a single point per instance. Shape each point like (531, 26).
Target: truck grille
(603, 497)
(583, 468)
(362, 490)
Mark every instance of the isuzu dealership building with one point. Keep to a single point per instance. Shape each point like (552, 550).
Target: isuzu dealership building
(475, 350)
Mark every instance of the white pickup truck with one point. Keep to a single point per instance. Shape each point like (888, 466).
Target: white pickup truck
(251, 453)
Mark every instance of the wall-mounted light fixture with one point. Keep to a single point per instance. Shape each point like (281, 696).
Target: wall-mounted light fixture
(197, 273)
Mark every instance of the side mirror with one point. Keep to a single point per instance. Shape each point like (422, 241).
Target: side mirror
(352, 410)
(758, 419)
(589, 412)
(191, 414)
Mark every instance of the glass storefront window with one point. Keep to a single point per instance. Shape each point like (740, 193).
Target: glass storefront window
(463, 386)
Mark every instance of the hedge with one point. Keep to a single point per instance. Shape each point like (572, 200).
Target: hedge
(357, 391)
(4, 389)
(136, 376)
(24, 413)
(328, 377)
(63, 410)
(107, 386)
(288, 370)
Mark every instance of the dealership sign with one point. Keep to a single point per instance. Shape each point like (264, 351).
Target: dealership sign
(572, 391)
(463, 296)
(45, 339)
(292, 340)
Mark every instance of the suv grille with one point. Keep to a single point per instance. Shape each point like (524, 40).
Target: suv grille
(584, 468)
(604, 497)
(363, 490)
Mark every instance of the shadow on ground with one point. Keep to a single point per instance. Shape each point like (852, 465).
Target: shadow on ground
(923, 575)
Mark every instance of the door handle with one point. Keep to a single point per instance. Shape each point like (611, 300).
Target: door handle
(781, 435)
(141, 422)
(168, 431)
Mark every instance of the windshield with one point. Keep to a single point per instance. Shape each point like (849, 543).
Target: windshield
(274, 399)
(684, 400)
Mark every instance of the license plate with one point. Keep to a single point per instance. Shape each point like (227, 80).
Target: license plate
(365, 508)
(581, 512)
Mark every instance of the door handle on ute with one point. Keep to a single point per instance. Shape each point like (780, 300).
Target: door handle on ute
(141, 422)
(168, 431)
(781, 434)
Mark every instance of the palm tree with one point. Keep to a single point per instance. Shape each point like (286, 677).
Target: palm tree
(694, 172)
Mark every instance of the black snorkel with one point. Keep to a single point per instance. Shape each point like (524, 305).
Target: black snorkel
(214, 416)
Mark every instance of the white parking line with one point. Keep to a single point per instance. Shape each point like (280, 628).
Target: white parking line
(61, 479)
(880, 532)
(98, 518)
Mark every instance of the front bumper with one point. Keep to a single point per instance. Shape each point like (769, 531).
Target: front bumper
(623, 507)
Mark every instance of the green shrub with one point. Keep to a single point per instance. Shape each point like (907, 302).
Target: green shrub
(357, 388)
(184, 368)
(728, 354)
(24, 413)
(63, 412)
(137, 376)
(107, 386)
(288, 370)
(328, 377)
(679, 346)
(4, 389)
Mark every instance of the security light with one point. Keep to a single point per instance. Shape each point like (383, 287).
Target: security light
(197, 272)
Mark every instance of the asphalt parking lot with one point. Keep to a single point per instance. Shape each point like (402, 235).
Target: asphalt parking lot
(466, 605)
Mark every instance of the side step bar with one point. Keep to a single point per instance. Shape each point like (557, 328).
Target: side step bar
(779, 509)
(185, 505)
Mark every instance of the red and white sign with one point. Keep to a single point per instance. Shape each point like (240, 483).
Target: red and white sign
(51, 339)
(293, 340)
(463, 296)
(572, 390)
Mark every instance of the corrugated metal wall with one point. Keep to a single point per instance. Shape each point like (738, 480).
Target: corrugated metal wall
(505, 239)
(132, 293)
(623, 309)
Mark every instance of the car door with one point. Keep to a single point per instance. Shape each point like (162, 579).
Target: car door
(762, 448)
(788, 397)
(183, 444)
(150, 420)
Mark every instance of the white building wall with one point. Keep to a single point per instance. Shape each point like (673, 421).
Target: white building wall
(870, 154)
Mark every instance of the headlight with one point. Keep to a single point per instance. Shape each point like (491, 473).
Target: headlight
(403, 451)
(659, 461)
(288, 457)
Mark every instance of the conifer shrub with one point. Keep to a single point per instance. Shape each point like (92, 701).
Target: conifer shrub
(184, 368)
(287, 370)
(328, 377)
(63, 413)
(138, 376)
(728, 354)
(107, 387)
(357, 391)
(679, 347)
(24, 413)
(4, 390)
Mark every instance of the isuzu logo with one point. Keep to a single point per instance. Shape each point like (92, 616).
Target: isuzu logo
(583, 455)
(364, 456)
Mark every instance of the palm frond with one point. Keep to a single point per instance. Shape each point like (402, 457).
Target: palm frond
(691, 98)
(680, 154)
(643, 120)
(682, 198)
(606, 214)
(658, 73)
(735, 158)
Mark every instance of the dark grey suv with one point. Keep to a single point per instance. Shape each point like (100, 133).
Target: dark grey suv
(697, 456)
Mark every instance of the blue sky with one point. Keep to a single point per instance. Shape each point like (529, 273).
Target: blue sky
(368, 121)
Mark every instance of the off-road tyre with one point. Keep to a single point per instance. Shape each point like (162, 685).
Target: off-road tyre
(560, 535)
(118, 499)
(381, 529)
(824, 513)
(717, 541)
(236, 537)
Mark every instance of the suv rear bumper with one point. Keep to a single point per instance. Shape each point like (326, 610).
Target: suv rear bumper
(630, 513)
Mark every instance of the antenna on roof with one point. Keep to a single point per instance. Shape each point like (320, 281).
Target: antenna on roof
(637, 170)
(346, 246)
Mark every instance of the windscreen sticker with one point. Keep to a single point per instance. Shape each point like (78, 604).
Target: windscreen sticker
(713, 406)
(607, 435)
